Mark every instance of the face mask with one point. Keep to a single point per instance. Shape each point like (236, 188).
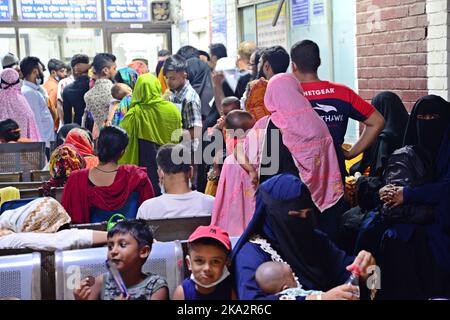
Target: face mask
(40, 79)
(225, 275)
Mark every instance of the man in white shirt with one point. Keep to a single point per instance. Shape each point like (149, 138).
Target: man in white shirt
(33, 72)
(178, 200)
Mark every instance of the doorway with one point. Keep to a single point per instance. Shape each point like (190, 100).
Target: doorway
(127, 46)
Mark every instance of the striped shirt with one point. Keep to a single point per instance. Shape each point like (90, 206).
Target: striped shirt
(188, 100)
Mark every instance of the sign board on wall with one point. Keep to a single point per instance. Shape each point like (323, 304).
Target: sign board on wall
(267, 34)
(218, 21)
(59, 10)
(300, 13)
(127, 10)
(5, 10)
(319, 8)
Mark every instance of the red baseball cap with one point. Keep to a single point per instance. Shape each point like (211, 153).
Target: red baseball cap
(212, 232)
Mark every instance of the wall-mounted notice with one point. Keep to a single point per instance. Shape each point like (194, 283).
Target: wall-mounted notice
(300, 13)
(319, 8)
(59, 10)
(267, 34)
(218, 21)
(127, 10)
(5, 10)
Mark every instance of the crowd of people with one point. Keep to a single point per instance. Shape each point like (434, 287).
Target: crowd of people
(257, 143)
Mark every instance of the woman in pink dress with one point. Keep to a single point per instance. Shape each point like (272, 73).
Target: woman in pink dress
(13, 105)
(305, 149)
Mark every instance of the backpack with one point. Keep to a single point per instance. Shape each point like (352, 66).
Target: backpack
(408, 167)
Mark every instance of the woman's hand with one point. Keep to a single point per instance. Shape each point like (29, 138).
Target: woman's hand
(397, 198)
(363, 261)
(344, 292)
(386, 193)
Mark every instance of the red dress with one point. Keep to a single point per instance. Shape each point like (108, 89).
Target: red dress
(80, 196)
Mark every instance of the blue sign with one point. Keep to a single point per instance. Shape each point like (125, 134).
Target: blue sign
(127, 10)
(319, 8)
(5, 10)
(218, 21)
(300, 13)
(58, 10)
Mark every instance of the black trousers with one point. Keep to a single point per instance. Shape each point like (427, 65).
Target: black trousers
(147, 159)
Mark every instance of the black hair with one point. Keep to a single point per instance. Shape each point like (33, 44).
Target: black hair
(258, 54)
(231, 100)
(9, 130)
(163, 53)
(277, 57)
(234, 118)
(306, 55)
(103, 60)
(218, 50)
(188, 52)
(171, 159)
(55, 65)
(28, 64)
(111, 143)
(175, 63)
(79, 58)
(207, 242)
(204, 53)
(137, 228)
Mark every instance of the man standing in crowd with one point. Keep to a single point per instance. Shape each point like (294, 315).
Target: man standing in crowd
(58, 71)
(335, 103)
(33, 72)
(73, 95)
(10, 60)
(99, 97)
(188, 102)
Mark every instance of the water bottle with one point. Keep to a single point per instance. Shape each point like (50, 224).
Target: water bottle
(353, 280)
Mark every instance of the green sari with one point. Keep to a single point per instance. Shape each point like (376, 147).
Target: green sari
(150, 118)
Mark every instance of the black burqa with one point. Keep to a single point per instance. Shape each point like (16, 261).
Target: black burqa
(390, 139)
(199, 75)
(425, 132)
(318, 263)
(416, 259)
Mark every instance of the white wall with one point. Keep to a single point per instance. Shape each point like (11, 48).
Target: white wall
(438, 44)
(191, 23)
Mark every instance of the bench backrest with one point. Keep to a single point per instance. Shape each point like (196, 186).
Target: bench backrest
(24, 157)
(166, 259)
(179, 229)
(20, 276)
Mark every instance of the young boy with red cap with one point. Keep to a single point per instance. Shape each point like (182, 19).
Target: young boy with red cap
(209, 248)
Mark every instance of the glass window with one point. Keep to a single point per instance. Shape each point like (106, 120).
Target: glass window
(60, 43)
(248, 23)
(7, 41)
(129, 46)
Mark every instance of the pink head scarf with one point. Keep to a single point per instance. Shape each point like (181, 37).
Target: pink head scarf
(307, 137)
(13, 105)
